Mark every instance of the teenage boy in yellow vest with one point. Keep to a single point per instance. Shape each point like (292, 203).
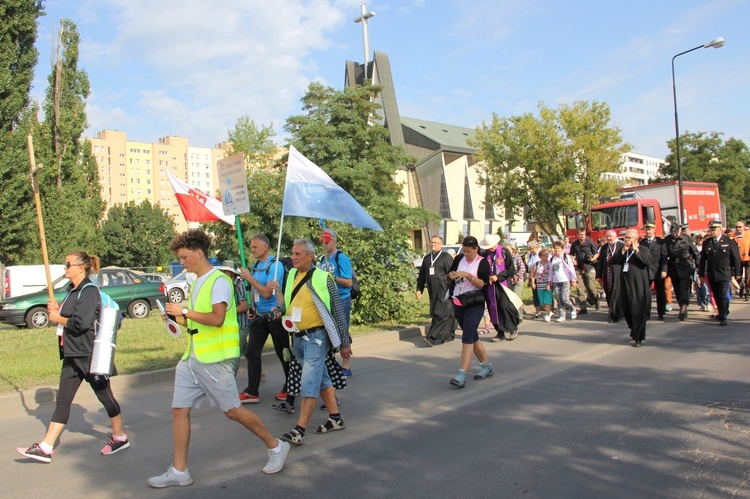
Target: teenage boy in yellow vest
(312, 302)
(206, 369)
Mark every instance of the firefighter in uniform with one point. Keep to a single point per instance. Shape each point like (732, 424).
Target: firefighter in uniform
(681, 259)
(720, 260)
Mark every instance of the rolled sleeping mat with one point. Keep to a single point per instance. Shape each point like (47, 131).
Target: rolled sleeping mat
(105, 342)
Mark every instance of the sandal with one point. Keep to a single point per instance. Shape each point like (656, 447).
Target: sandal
(486, 330)
(283, 407)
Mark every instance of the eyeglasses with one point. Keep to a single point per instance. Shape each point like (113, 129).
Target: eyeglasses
(67, 265)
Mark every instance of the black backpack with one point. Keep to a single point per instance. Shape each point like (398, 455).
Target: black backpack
(354, 290)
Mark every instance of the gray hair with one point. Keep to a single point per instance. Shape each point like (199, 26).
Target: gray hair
(534, 244)
(309, 245)
(610, 231)
(261, 237)
(631, 233)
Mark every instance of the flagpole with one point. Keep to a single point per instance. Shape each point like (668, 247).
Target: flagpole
(40, 220)
(278, 250)
(239, 240)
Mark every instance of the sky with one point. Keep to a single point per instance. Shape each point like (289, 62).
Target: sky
(191, 68)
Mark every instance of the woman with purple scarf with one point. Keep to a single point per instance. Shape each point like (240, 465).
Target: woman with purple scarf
(503, 314)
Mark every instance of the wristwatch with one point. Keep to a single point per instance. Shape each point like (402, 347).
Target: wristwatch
(184, 312)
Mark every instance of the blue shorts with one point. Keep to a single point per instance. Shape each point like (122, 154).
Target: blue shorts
(545, 295)
(469, 318)
(311, 354)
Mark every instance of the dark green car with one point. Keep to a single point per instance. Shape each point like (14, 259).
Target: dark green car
(135, 296)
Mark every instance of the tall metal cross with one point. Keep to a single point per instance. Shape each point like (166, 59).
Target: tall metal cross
(363, 19)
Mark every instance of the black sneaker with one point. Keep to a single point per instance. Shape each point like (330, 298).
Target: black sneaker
(35, 452)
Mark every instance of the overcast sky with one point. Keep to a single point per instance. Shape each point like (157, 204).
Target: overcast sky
(192, 67)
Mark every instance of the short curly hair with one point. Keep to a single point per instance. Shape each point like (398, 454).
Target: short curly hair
(192, 239)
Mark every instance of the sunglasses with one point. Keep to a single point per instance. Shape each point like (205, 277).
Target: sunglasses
(67, 265)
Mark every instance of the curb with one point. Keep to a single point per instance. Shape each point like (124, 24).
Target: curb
(124, 381)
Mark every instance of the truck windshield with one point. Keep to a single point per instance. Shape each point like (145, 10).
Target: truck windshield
(614, 217)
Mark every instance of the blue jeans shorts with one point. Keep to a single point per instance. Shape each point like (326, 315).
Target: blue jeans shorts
(311, 354)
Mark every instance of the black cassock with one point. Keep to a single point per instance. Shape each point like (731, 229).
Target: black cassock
(443, 327)
(635, 288)
(609, 273)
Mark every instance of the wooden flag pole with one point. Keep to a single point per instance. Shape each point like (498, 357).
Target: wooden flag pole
(35, 187)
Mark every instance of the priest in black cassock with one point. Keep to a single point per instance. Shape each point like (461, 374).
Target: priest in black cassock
(635, 288)
(435, 267)
(609, 274)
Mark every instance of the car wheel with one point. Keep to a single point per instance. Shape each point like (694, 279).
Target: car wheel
(176, 295)
(37, 318)
(139, 309)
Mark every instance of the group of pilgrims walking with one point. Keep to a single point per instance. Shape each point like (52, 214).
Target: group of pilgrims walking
(486, 278)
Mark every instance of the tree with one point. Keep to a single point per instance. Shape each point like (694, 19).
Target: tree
(18, 57)
(137, 235)
(69, 182)
(255, 143)
(707, 158)
(552, 164)
(336, 132)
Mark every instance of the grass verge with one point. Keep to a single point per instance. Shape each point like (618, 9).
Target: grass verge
(31, 358)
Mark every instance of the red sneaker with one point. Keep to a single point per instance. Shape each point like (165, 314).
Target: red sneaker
(281, 396)
(246, 398)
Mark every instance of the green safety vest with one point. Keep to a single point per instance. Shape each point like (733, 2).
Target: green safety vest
(319, 283)
(214, 344)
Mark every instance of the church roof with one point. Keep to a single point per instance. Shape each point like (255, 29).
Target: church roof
(448, 136)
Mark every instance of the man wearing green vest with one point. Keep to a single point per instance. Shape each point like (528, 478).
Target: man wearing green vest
(206, 369)
(312, 302)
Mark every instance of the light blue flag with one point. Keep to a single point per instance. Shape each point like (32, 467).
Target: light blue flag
(310, 192)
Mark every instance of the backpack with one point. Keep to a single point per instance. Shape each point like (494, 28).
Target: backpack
(354, 290)
(285, 261)
(106, 302)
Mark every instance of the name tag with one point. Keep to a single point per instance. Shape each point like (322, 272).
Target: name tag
(625, 267)
(59, 331)
(256, 296)
(432, 270)
(296, 314)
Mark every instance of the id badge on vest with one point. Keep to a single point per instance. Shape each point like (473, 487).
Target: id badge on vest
(432, 270)
(296, 314)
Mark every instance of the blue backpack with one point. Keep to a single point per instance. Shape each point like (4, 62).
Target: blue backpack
(106, 301)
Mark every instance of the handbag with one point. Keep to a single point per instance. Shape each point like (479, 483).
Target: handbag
(471, 298)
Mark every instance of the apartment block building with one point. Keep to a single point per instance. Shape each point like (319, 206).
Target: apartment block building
(136, 171)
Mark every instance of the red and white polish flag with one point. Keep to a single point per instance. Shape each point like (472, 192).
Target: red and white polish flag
(196, 205)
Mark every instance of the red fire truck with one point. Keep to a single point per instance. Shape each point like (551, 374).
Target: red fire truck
(656, 203)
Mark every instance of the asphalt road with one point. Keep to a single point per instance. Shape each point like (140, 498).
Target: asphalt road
(573, 411)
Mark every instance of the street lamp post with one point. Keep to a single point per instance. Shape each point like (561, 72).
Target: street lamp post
(715, 43)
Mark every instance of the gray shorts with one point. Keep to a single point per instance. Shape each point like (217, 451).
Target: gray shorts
(194, 381)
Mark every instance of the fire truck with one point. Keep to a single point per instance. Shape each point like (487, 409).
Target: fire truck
(656, 203)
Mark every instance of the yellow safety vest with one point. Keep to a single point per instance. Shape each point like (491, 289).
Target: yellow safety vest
(214, 344)
(319, 283)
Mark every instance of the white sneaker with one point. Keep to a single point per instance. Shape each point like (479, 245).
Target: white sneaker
(547, 317)
(170, 479)
(573, 315)
(560, 319)
(276, 459)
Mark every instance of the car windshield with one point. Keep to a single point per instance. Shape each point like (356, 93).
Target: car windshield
(614, 217)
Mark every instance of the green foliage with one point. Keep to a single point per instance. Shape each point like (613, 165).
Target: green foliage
(255, 143)
(137, 235)
(336, 132)
(706, 157)
(550, 164)
(18, 57)
(69, 182)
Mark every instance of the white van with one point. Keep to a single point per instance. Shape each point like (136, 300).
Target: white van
(24, 279)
